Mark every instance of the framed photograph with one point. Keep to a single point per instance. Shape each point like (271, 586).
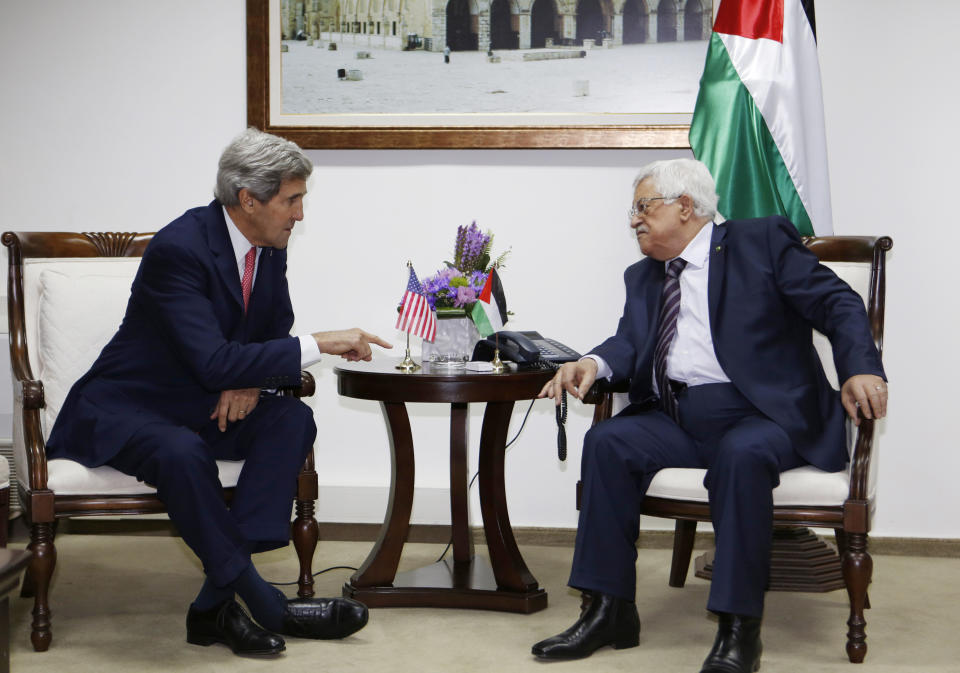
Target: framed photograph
(476, 74)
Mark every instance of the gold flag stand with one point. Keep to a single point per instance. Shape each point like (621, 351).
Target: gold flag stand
(407, 365)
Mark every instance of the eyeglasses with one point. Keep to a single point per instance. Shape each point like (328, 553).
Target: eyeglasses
(642, 205)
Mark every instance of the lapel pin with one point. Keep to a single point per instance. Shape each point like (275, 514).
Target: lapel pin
(719, 248)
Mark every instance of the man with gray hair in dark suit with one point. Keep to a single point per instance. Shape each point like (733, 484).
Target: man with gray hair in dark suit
(186, 381)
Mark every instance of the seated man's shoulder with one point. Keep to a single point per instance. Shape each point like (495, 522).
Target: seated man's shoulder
(761, 226)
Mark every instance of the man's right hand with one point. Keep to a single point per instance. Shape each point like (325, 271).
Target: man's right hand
(574, 377)
(350, 344)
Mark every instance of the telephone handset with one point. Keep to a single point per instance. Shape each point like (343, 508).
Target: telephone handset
(529, 350)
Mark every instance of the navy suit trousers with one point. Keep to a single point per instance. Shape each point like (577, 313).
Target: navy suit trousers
(273, 440)
(744, 453)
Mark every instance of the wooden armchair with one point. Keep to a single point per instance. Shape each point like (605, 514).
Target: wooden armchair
(807, 497)
(67, 293)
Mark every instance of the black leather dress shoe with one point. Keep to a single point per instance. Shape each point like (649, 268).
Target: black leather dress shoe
(323, 618)
(737, 648)
(607, 621)
(229, 624)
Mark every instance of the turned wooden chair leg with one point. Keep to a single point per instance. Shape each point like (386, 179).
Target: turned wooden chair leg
(305, 530)
(41, 572)
(841, 537)
(306, 534)
(683, 536)
(857, 571)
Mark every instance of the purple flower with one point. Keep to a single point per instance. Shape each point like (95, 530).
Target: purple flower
(477, 280)
(465, 295)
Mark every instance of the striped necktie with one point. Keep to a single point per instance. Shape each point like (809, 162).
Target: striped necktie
(666, 331)
(246, 284)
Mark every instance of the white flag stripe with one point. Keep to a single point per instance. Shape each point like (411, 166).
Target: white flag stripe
(784, 81)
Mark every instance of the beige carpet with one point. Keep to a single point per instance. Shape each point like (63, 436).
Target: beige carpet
(119, 604)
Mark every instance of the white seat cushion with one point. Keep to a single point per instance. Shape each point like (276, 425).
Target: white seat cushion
(66, 477)
(4, 473)
(800, 486)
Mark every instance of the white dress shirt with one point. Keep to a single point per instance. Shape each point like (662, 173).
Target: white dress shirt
(309, 350)
(691, 358)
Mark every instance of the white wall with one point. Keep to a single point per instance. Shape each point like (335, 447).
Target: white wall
(115, 113)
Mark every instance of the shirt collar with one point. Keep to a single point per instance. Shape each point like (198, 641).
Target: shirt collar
(697, 250)
(239, 242)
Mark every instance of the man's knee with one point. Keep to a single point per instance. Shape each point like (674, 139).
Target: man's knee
(599, 445)
(747, 455)
(183, 454)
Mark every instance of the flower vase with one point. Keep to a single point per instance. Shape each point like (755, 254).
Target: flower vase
(453, 344)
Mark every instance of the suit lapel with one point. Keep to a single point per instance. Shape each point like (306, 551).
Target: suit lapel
(226, 263)
(717, 274)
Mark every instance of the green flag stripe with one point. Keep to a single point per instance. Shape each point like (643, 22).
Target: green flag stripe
(752, 178)
(481, 320)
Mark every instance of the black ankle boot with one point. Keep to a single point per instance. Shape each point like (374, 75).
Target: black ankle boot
(737, 648)
(607, 621)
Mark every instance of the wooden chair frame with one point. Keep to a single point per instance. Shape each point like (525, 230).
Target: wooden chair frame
(851, 521)
(43, 507)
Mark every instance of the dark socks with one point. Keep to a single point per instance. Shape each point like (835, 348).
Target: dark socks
(266, 603)
(211, 596)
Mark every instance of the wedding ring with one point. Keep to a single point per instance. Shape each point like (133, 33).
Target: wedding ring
(879, 387)
(242, 412)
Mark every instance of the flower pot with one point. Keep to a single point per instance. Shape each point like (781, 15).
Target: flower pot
(454, 342)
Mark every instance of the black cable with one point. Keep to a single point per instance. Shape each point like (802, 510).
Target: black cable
(475, 474)
(319, 572)
(561, 429)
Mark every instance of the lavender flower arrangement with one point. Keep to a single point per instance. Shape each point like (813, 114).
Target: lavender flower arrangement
(454, 289)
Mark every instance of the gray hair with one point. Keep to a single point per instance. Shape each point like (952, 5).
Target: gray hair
(259, 162)
(675, 177)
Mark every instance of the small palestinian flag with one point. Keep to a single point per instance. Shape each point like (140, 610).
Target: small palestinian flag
(490, 311)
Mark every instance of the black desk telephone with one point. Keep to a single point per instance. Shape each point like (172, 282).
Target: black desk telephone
(529, 350)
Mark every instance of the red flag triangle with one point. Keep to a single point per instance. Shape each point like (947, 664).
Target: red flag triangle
(753, 19)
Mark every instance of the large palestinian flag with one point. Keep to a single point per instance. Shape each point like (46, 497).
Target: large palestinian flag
(758, 123)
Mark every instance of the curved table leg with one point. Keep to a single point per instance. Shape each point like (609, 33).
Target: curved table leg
(508, 566)
(380, 568)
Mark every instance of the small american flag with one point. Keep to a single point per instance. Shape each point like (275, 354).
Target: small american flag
(416, 316)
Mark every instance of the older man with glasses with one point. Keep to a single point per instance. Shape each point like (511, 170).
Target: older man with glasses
(716, 340)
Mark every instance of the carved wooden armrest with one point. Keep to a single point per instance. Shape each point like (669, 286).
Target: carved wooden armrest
(601, 390)
(860, 462)
(307, 387)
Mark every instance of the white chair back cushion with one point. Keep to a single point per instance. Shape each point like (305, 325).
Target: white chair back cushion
(72, 308)
(804, 485)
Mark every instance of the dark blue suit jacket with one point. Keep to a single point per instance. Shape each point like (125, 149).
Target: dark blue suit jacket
(766, 291)
(183, 340)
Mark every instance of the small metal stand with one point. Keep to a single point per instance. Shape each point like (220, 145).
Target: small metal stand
(497, 363)
(407, 365)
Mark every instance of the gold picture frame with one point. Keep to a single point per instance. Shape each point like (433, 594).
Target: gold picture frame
(386, 136)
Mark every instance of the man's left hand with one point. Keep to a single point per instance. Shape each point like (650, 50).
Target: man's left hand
(235, 405)
(866, 392)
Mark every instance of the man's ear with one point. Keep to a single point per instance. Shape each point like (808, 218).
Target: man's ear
(247, 200)
(686, 207)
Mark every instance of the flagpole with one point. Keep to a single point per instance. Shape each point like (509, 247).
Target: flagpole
(496, 363)
(407, 365)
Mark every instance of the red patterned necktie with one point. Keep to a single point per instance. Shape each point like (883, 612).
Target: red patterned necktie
(247, 283)
(666, 331)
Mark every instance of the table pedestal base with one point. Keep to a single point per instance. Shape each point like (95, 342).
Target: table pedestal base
(447, 584)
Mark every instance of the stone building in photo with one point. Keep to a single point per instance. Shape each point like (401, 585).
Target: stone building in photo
(483, 25)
